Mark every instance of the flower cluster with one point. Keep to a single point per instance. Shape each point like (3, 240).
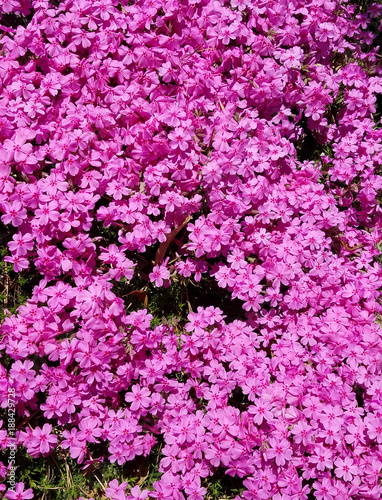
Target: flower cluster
(239, 136)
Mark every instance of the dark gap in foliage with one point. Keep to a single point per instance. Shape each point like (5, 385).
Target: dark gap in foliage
(221, 485)
(208, 293)
(12, 20)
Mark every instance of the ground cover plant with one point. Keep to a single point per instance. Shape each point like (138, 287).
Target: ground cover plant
(191, 236)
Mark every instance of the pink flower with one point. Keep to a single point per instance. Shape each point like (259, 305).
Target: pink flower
(115, 490)
(139, 397)
(19, 493)
(43, 440)
(21, 244)
(167, 72)
(261, 411)
(374, 429)
(60, 294)
(18, 149)
(137, 494)
(75, 441)
(14, 214)
(159, 274)
(323, 457)
(19, 263)
(280, 450)
(345, 468)
(325, 490)
(178, 139)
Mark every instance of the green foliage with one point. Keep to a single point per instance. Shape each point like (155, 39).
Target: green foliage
(169, 302)
(15, 288)
(107, 235)
(59, 477)
(153, 473)
(109, 471)
(337, 103)
(362, 6)
(378, 111)
(222, 487)
(56, 477)
(208, 293)
(215, 490)
(10, 19)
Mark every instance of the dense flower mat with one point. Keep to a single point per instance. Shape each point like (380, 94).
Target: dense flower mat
(155, 145)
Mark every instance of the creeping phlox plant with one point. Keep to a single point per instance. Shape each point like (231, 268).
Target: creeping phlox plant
(231, 144)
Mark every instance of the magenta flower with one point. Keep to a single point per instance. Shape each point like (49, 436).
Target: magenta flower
(323, 458)
(159, 275)
(280, 450)
(261, 411)
(139, 397)
(18, 149)
(90, 429)
(345, 468)
(19, 263)
(14, 214)
(115, 490)
(374, 429)
(325, 490)
(60, 295)
(75, 441)
(178, 139)
(42, 439)
(21, 244)
(20, 493)
(137, 494)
